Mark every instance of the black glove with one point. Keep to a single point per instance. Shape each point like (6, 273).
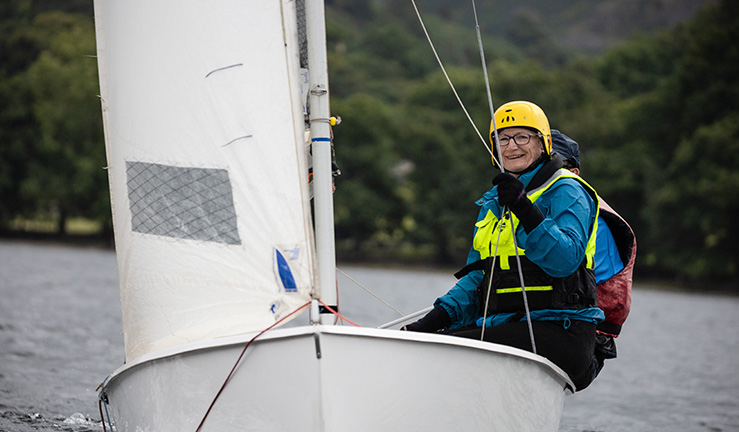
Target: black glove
(435, 320)
(511, 194)
(510, 189)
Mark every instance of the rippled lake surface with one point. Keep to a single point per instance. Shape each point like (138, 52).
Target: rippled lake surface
(60, 336)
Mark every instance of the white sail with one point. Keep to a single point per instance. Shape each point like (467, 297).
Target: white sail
(204, 132)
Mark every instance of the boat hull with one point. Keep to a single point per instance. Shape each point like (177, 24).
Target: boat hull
(326, 378)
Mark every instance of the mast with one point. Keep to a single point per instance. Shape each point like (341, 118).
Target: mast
(321, 147)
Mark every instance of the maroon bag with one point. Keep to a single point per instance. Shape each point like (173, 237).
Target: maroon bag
(614, 294)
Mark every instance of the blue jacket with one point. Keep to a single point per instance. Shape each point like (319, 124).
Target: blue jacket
(557, 246)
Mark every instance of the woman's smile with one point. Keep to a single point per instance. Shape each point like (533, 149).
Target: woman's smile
(517, 158)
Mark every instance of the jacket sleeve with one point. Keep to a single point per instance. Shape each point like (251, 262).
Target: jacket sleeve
(558, 244)
(460, 301)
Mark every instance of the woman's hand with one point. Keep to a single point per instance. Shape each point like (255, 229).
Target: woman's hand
(511, 194)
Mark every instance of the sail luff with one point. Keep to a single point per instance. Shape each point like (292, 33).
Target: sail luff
(292, 28)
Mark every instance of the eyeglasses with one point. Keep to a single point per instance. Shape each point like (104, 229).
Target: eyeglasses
(520, 139)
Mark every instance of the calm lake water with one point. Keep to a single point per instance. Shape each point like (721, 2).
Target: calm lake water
(60, 336)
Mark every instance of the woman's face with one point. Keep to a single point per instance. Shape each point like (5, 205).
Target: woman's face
(517, 157)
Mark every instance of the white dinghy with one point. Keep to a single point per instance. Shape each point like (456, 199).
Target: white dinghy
(204, 107)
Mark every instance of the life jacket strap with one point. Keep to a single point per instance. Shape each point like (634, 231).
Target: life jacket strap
(482, 264)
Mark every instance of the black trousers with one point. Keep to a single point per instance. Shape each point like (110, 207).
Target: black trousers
(569, 348)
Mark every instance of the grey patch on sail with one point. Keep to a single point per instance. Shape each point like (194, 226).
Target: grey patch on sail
(185, 203)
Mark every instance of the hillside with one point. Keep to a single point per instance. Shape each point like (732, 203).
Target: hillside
(579, 26)
(582, 26)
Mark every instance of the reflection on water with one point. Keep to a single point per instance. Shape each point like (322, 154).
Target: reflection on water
(60, 336)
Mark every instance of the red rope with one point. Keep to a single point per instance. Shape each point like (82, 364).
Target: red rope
(338, 314)
(228, 378)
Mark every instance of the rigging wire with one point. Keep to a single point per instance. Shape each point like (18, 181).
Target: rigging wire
(469, 118)
(497, 145)
(454, 90)
(487, 88)
(505, 210)
(370, 292)
(484, 63)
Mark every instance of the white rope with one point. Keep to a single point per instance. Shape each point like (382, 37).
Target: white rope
(443, 69)
(523, 289)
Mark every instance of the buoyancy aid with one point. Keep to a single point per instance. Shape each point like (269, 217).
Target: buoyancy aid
(614, 294)
(494, 241)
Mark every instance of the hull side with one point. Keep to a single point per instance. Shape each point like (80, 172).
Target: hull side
(336, 379)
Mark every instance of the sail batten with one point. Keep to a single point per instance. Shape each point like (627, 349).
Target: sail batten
(205, 141)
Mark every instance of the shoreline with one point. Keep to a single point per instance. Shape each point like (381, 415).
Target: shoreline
(102, 242)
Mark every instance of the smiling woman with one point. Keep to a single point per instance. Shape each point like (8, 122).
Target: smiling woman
(530, 270)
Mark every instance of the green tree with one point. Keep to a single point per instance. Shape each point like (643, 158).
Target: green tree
(696, 207)
(398, 49)
(708, 70)
(452, 166)
(531, 34)
(691, 198)
(18, 128)
(18, 48)
(368, 208)
(639, 65)
(66, 174)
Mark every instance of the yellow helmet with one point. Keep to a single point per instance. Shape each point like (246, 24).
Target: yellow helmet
(522, 114)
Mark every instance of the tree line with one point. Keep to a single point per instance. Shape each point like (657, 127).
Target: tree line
(657, 119)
